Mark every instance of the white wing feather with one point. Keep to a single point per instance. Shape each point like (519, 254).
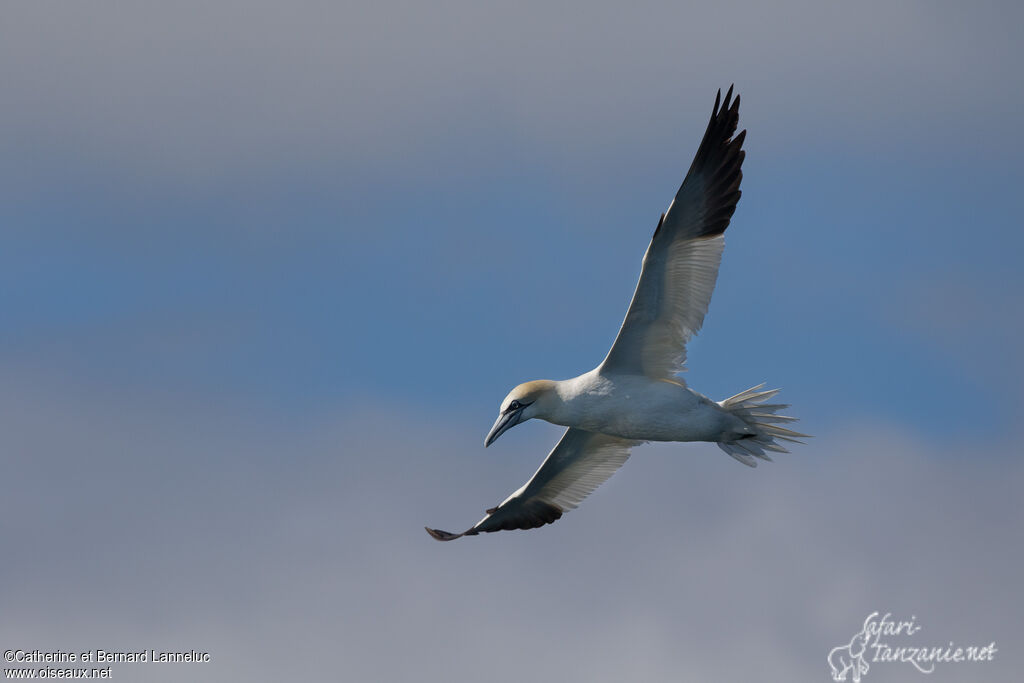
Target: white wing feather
(681, 263)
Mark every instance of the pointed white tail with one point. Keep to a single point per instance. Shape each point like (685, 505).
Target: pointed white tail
(762, 417)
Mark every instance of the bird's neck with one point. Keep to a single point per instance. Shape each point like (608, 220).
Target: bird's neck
(571, 400)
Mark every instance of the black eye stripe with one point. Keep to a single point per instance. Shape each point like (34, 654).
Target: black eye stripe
(516, 405)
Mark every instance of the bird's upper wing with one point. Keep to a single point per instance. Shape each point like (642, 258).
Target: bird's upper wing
(681, 263)
(578, 464)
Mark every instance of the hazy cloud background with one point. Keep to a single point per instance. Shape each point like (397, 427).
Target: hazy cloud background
(266, 272)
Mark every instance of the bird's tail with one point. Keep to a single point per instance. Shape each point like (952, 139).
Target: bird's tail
(764, 419)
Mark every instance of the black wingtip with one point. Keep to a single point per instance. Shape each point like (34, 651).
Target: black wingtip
(439, 535)
(713, 179)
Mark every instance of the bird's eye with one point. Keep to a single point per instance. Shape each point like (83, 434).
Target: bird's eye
(514, 405)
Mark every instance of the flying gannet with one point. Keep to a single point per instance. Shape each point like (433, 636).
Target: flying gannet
(636, 395)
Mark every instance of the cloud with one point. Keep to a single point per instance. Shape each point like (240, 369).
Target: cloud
(295, 548)
(179, 98)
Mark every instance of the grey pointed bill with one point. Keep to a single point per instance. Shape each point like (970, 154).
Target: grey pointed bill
(502, 424)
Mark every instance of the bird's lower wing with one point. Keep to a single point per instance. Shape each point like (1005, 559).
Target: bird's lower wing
(578, 464)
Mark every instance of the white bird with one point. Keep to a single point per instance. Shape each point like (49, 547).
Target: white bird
(635, 395)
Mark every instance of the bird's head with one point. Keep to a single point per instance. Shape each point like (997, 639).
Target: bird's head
(526, 401)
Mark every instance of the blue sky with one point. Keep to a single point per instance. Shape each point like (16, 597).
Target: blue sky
(265, 276)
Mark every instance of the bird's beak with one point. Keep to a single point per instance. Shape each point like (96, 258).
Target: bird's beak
(504, 421)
